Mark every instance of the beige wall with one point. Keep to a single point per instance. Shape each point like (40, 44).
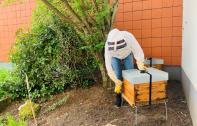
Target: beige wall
(189, 56)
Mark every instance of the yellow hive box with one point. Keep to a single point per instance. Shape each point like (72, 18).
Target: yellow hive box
(136, 86)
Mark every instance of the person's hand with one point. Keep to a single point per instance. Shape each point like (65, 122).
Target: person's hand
(141, 66)
(118, 87)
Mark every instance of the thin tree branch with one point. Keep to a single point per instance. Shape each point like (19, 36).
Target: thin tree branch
(107, 19)
(86, 17)
(76, 15)
(95, 5)
(114, 10)
(62, 16)
(91, 19)
(97, 10)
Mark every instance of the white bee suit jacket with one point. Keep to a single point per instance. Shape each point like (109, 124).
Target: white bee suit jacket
(127, 43)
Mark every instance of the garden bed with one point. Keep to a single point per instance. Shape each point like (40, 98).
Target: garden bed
(94, 106)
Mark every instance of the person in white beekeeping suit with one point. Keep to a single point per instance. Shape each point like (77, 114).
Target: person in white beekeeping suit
(120, 48)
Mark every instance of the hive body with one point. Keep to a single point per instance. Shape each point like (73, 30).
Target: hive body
(156, 63)
(136, 86)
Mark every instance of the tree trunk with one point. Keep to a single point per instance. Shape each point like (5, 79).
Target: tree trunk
(106, 81)
(104, 75)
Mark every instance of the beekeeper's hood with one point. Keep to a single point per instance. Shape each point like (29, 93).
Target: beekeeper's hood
(116, 44)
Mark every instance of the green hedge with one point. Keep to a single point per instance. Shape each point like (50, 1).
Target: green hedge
(11, 85)
(51, 56)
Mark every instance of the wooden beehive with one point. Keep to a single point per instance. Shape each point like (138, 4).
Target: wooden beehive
(136, 86)
(156, 63)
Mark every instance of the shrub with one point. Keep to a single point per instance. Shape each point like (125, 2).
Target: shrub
(2, 121)
(11, 85)
(11, 121)
(51, 56)
(4, 74)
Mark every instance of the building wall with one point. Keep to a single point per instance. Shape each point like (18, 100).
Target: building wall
(157, 25)
(189, 58)
(13, 17)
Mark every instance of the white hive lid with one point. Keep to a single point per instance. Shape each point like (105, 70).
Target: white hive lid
(154, 61)
(135, 77)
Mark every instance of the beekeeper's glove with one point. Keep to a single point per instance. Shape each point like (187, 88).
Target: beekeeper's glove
(141, 66)
(118, 87)
(118, 83)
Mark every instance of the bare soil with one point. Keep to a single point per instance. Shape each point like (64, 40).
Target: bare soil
(95, 107)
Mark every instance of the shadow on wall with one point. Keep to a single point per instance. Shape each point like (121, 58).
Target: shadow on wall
(174, 72)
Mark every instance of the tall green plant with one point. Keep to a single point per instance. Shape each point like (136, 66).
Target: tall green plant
(51, 55)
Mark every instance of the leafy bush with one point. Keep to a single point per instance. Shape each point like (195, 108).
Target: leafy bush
(2, 122)
(51, 57)
(11, 85)
(3, 94)
(4, 74)
(11, 121)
